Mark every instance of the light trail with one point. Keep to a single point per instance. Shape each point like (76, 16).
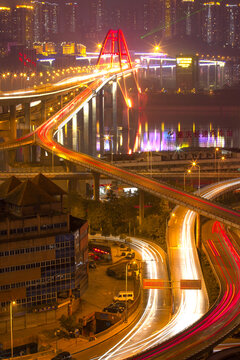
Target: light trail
(44, 137)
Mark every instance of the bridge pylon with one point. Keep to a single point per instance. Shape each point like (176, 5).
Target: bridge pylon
(115, 45)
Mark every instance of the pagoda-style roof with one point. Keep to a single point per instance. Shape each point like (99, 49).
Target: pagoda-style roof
(8, 185)
(47, 185)
(27, 194)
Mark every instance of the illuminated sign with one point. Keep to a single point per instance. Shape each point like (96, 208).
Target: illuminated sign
(190, 284)
(26, 60)
(153, 284)
(184, 62)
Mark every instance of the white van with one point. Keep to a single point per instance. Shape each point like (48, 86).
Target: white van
(124, 296)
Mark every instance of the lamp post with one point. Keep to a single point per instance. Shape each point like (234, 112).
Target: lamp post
(184, 177)
(194, 164)
(218, 174)
(53, 148)
(11, 325)
(150, 161)
(108, 137)
(216, 150)
(126, 289)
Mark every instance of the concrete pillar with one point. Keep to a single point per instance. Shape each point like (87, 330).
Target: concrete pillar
(114, 109)
(208, 77)
(198, 232)
(96, 183)
(86, 127)
(93, 125)
(141, 207)
(60, 101)
(60, 137)
(81, 129)
(27, 114)
(74, 133)
(13, 122)
(43, 111)
(101, 120)
(161, 75)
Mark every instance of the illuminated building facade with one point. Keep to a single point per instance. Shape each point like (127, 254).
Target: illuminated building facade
(43, 251)
(23, 18)
(232, 25)
(189, 25)
(5, 24)
(186, 73)
(45, 20)
(211, 23)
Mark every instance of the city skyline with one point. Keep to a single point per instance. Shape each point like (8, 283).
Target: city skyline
(169, 23)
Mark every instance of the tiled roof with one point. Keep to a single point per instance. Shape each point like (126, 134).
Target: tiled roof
(28, 193)
(8, 185)
(47, 185)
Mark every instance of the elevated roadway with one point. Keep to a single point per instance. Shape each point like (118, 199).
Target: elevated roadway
(44, 136)
(229, 304)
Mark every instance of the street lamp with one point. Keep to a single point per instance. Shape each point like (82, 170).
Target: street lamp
(194, 164)
(53, 148)
(11, 325)
(221, 159)
(184, 177)
(216, 150)
(149, 156)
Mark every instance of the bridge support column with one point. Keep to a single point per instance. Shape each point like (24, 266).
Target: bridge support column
(60, 137)
(198, 232)
(141, 207)
(60, 101)
(114, 107)
(92, 126)
(101, 120)
(74, 133)
(13, 132)
(43, 111)
(86, 127)
(27, 111)
(96, 183)
(161, 74)
(13, 122)
(27, 115)
(81, 127)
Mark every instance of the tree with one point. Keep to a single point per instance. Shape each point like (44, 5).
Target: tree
(68, 323)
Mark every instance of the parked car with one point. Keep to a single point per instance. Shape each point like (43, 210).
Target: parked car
(115, 307)
(111, 308)
(124, 296)
(65, 355)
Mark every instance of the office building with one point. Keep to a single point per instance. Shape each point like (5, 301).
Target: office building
(22, 19)
(43, 250)
(46, 20)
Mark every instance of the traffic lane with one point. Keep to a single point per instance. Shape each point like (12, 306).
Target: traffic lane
(100, 349)
(222, 318)
(149, 185)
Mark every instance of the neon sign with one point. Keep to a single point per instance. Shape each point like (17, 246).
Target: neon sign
(26, 60)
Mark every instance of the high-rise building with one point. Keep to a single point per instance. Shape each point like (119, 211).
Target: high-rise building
(212, 23)
(46, 20)
(232, 24)
(23, 17)
(189, 24)
(5, 24)
(154, 21)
